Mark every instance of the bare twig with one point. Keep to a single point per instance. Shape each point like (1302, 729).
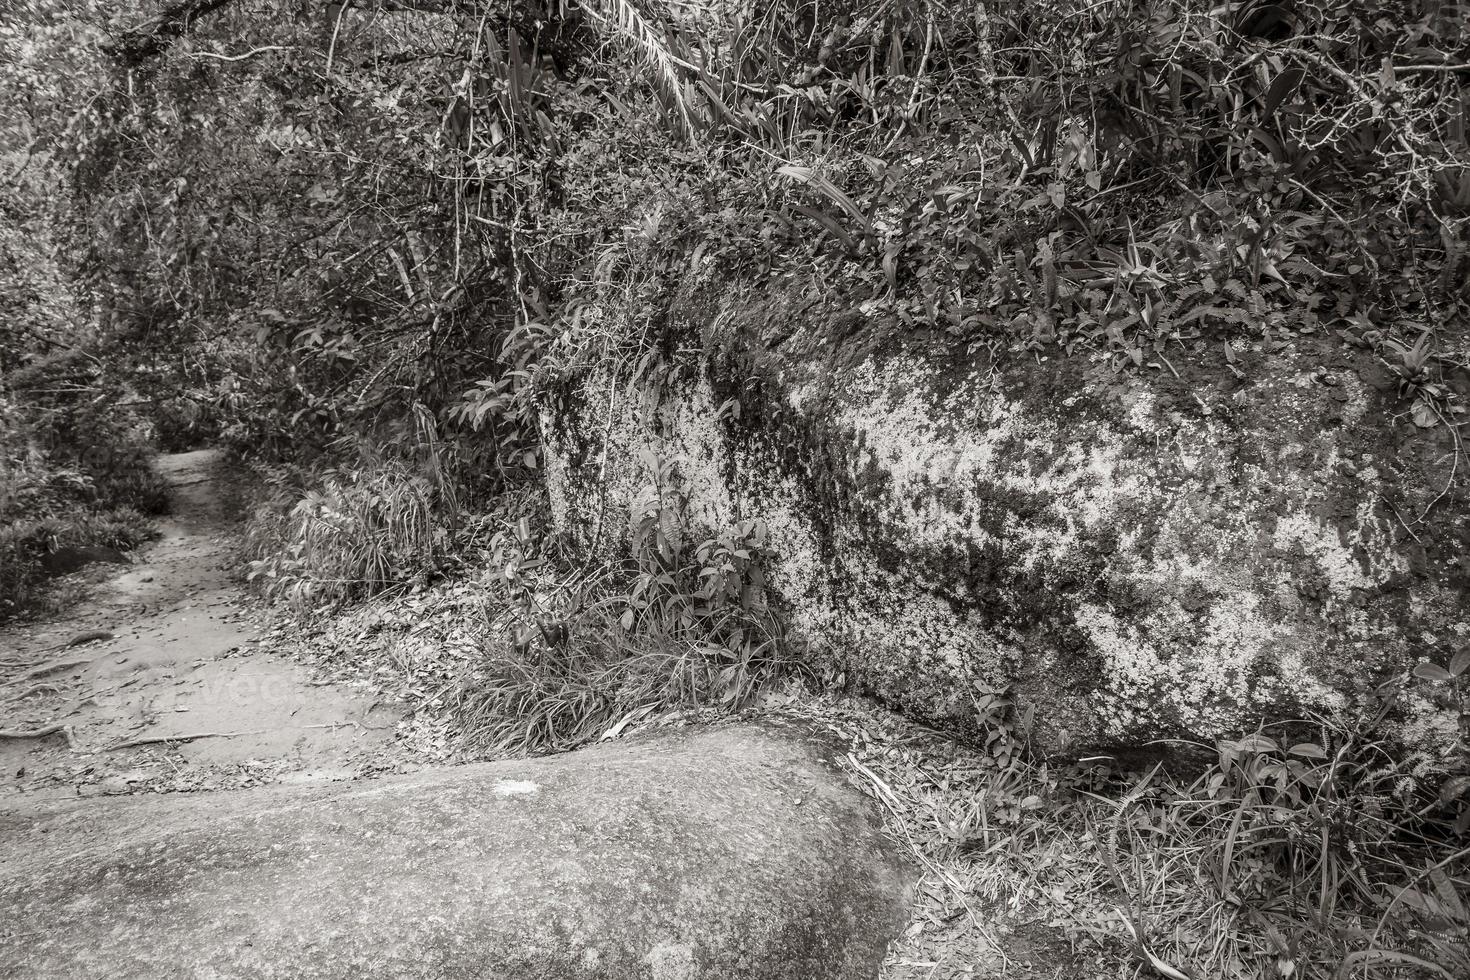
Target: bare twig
(241, 57)
(1431, 68)
(154, 37)
(1454, 464)
(336, 30)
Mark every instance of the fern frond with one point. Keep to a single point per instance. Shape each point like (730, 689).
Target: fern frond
(627, 24)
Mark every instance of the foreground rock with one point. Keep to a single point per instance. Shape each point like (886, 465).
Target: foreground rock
(734, 853)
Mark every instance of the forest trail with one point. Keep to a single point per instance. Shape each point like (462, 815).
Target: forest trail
(162, 681)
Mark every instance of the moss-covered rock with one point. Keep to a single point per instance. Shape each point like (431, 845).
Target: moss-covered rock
(1185, 548)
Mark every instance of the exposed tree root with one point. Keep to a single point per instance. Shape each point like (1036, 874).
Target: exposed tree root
(81, 638)
(51, 668)
(42, 732)
(33, 689)
(160, 739)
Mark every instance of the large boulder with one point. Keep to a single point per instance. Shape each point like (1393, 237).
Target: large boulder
(1256, 529)
(737, 852)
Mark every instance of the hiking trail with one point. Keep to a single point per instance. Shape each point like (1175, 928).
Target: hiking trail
(162, 679)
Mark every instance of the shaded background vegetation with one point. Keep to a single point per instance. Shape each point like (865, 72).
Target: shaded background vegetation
(312, 229)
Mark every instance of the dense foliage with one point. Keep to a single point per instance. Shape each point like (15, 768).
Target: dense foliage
(75, 435)
(409, 203)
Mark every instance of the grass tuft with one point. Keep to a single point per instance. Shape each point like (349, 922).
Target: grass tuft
(594, 673)
(359, 534)
(1280, 859)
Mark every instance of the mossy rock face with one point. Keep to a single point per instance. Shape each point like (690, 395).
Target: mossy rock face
(1179, 550)
(738, 853)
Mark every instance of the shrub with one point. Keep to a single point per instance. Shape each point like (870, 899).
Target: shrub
(1312, 851)
(24, 542)
(65, 482)
(573, 656)
(361, 533)
(1326, 853)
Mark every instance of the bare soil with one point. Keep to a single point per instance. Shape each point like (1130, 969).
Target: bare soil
(163, 679)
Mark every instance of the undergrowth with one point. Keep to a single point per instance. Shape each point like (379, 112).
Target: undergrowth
(547, 653)
(1311, 848)
(357, 534)
(574, 656)
(1277, 857)
(1141, 181)
(388, 517)
(74, 473)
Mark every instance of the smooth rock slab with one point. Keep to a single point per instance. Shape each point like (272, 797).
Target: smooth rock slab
(736, 852)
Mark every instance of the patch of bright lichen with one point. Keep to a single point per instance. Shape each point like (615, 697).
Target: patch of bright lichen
(1186, 553)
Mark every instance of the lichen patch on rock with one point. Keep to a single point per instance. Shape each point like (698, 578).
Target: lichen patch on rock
(1136, 555)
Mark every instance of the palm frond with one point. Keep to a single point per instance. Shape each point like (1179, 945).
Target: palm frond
(630, 26)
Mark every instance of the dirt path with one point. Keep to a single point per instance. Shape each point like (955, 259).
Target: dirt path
(162, 680)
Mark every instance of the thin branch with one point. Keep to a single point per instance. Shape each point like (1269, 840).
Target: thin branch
(1446, 68)
(154, 37)
(151, 40)
(240, 57)
(420, 6)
